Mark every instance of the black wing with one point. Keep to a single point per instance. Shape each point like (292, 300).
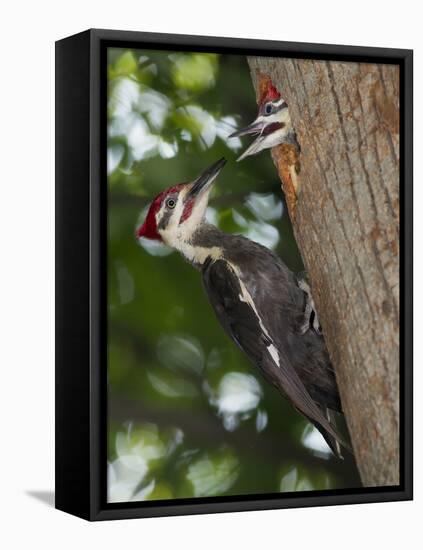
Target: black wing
(281, 304)
(242, 322)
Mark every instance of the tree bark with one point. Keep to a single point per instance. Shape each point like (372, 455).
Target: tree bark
(342, 193)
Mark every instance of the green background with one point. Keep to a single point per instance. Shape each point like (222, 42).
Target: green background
(188, 414)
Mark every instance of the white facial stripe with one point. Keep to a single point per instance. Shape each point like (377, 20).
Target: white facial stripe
(265, 142)
(279, 116)
(274, 138)
(178, 234)
(170, 230)
(279, 102)
(188, 226)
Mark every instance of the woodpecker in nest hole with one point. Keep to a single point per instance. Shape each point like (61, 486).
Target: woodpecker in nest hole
(259, 302)
(272, 126)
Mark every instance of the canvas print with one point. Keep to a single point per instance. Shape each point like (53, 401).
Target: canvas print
(253, 275)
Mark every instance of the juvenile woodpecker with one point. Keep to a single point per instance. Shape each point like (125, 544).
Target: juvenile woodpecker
(256, 298)
(273, 124)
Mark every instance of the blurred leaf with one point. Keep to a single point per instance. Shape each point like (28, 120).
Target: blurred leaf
(126, 64)
(194, 72)
(289, 481)
(170, 385)
(213, 473)
(161, 491)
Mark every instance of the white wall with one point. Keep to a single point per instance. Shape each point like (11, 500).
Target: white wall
(28, 32)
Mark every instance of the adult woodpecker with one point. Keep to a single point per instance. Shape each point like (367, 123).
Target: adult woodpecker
(273, 124)
(257, 299)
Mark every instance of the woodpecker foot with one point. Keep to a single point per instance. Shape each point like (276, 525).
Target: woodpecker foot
(310, 318)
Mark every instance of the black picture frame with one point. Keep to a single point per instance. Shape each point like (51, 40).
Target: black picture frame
(81, 285)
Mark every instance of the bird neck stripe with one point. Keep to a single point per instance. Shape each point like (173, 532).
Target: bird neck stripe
(272, 127)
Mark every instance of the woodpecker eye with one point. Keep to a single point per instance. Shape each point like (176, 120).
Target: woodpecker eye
(268, 109)
(170, 203)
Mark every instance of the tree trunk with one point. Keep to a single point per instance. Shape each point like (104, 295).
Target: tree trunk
(342, 193)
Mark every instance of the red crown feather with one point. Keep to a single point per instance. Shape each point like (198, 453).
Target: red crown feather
(268, 92)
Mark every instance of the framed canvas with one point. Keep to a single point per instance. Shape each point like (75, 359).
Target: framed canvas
(233, 274)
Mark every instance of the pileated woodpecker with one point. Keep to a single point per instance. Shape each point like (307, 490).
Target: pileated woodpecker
(257, 299)
(272, 126)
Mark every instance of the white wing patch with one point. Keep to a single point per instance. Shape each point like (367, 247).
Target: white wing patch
(274, 353)
(246, 297)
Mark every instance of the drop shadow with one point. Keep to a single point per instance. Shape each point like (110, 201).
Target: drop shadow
(46, 497)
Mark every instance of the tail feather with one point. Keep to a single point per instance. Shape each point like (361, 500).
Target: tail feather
(335, 443)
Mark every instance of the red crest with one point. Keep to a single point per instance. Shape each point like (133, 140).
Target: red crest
(268, 92)
(149, 228)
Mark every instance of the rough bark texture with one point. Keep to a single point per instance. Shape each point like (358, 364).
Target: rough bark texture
(345, 213)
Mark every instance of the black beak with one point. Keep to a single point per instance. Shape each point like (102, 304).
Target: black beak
(204, 181)
(253, 128)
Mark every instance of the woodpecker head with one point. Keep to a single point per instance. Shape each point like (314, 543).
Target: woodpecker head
(272, 125)
(176, 213)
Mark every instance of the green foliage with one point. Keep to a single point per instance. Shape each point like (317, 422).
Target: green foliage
(194, 72)
(188, 414)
